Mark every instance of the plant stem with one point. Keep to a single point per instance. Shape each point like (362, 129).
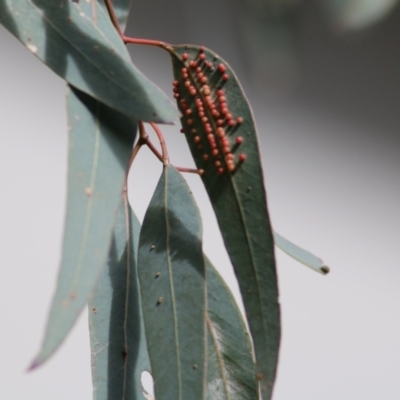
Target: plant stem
(190, 170)
(165, 158)
(114, 19)
(147, 42)
(128, 39)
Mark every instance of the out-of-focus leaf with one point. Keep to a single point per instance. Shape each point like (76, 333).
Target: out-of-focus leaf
(86, 51)
(270, 8)
(301, 255)
(172, 283)
(218, 124)
(357, 14)
(230, 367)
(118, 342)
(100, 145)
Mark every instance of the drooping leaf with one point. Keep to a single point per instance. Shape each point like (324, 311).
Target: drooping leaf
(219, 127)
(301, 255)
(230, 367)
(86, 51)
(118, 342)
(100, 145)
(172, 283)
(357, 14)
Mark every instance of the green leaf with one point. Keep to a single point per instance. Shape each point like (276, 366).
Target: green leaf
(172, 283)
(230, 366)
(118, 342)
(100, 146)
(84, 49)
(222, 138)
(301, 255)
(357, 14)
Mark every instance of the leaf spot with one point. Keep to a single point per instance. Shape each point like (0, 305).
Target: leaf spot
(89, 191)
(160, 300)
(94, 310)
(194, 366)
(152, 247)
(157, 274)
(325, 269)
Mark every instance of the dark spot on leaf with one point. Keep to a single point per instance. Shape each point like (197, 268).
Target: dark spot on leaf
(259, 377)
(325, 269)
(194, 366)
(157, 274)
(152, 247)
(160, 300)
(124, 355)
(94, 311)
(248, 189)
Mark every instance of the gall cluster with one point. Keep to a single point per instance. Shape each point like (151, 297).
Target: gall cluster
(203, 103)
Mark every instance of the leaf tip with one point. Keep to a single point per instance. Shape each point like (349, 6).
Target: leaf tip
(325, 269)
(35, 363)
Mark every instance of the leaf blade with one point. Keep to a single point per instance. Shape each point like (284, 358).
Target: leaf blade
(86, 53)
(118, 342)
(100, 144)
(301, 255)
(231, 369)
(235, 188)
(172, 284)
(357, 14)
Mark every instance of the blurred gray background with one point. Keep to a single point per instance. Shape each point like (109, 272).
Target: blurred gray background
(324, 83)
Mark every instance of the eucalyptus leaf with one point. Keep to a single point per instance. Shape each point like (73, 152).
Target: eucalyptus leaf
(118, 342)
(173, 291)
(219, 127)
(301, 255)
(100, 146)
(230, 366)
(84, 48)
(357, 14)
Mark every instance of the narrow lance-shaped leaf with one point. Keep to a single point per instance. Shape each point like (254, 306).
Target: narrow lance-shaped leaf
(218, 124)
(357, 14)
(118, 342)
(172, 283)
(230, 367)
(100, 145)
(86, 51)
(301, 255)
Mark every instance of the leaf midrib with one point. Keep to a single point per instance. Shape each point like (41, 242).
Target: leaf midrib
(219, 356)
(127, 293)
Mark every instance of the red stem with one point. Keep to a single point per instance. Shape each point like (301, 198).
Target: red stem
(114, 19)
(164, 149)
(147, 42)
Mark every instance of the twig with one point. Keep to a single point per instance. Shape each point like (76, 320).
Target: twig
(191, 170)
(114, 19)
(165, 158)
